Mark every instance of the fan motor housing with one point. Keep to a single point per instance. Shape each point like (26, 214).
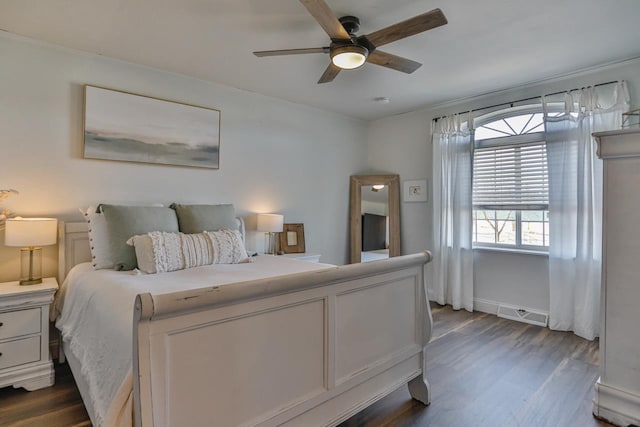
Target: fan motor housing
(350, 23)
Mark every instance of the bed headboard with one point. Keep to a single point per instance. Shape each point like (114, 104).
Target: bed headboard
(73, 246)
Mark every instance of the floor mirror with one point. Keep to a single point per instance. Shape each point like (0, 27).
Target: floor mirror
(374, 217)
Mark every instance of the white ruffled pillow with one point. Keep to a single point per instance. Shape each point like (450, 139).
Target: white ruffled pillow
(98, 239)
(159, 252)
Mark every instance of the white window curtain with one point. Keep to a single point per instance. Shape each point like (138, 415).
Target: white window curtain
(452, 267)
(575, 202)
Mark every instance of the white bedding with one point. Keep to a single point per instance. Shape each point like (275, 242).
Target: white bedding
(94, 312)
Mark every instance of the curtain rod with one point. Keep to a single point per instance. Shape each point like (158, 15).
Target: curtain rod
(525, 99)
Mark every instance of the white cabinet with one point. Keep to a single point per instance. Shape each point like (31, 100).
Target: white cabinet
(617, 396)
(24, 334)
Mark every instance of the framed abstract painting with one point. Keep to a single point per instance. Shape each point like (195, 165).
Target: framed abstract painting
(134, 128)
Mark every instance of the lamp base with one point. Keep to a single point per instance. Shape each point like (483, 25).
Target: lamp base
(270, 243)
(27, 282)
(30, 266)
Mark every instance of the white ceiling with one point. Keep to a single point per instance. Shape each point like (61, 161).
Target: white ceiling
(487, 45)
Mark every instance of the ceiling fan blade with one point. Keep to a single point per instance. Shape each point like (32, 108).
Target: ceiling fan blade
(329, 74)
(407, 28)
(262, 53)
(394, 62)
(326, 18)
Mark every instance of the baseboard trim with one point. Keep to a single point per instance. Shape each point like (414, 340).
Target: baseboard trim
(491, 307)
(616, 406)
(486, 306)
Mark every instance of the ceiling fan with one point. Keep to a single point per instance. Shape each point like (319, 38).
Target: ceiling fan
(349, 51)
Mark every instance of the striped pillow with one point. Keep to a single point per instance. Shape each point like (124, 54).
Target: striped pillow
(159, 252)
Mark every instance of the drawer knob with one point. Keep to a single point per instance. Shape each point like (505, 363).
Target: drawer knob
(1, 324)
(0, 354)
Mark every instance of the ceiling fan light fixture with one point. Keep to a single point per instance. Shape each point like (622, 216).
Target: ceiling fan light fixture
(349, 57)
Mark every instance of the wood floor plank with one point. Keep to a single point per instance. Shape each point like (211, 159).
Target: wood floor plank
(558, 400)
(57, 406)
(484, 372)
(449, 320)
(62, 417)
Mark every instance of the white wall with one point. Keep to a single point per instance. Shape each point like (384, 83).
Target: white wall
(402, 144)
(275, 156)
(511, 278)
(398, 145)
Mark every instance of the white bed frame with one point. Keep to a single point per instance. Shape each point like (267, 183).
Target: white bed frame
(309, 349)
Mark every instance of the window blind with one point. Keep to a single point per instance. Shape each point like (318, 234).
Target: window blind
(512, 177)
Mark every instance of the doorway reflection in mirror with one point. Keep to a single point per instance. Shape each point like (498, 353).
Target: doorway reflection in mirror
(375, 222)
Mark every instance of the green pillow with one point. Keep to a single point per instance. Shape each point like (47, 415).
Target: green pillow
(124, 222)
(198, 218)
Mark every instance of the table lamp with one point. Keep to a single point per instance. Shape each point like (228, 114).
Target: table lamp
(31, 234)
(270, 224)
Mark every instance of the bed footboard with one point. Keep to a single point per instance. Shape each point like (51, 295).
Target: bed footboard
(309, 349)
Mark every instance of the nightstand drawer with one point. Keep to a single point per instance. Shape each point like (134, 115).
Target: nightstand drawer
(19, 323)
(19, 352)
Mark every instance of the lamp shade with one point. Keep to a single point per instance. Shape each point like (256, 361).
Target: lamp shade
(26, 232)
(270, 223)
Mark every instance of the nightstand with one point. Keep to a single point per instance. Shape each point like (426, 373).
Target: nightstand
(24, 334)
(306, 256)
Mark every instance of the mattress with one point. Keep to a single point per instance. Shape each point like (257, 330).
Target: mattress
(94, 313)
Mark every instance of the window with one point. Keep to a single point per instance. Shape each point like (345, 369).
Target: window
(510, 182)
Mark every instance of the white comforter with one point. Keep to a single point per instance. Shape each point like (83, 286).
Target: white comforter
(94, 312)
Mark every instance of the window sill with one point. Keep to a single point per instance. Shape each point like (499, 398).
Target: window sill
(510, 250)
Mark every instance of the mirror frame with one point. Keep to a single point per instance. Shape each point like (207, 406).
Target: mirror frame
(355, 212)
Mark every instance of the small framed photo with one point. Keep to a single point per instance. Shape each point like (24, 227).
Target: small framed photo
(292, 239)
(415, 190)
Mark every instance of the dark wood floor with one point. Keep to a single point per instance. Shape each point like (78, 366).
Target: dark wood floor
(487, 371)
(57, 406)
(483, 371)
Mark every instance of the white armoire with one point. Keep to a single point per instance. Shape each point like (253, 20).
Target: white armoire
(617, 397)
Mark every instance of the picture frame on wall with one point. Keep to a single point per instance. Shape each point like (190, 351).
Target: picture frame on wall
(292, 239)
(415, 190)
(127, 127)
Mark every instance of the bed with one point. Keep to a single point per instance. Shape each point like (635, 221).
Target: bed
(274, 342)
